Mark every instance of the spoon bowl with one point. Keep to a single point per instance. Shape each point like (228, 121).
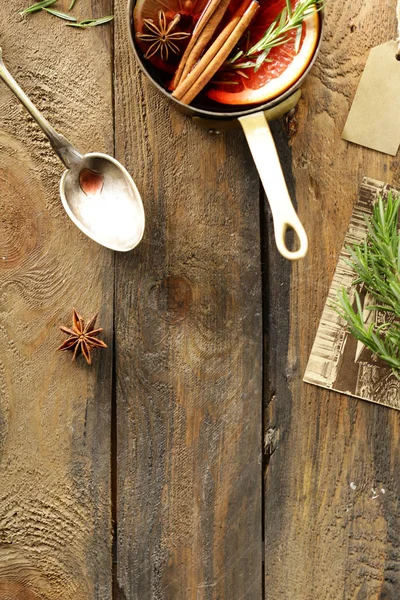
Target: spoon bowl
(112, 214)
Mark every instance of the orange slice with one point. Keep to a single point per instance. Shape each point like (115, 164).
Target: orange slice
(284, 66)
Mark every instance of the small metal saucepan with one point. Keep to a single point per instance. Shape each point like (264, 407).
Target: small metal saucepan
(254, 121)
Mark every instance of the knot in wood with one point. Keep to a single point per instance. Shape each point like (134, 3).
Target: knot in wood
(12, 590)
(174, 298)
(18, 224)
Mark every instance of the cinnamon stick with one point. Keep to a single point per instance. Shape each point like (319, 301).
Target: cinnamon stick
(202, 34)
(214, 48)
(216, 55)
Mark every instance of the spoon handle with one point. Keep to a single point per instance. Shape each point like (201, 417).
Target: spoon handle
(61, 146)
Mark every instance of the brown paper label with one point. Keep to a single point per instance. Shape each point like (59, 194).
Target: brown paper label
(374, 118)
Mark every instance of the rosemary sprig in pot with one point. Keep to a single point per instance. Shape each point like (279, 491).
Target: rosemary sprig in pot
(376, 262)
(289, 19)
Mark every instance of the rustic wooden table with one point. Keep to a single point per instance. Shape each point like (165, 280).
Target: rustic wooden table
(190, 462)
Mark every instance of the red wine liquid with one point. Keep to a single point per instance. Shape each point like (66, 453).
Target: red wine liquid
(91, 182)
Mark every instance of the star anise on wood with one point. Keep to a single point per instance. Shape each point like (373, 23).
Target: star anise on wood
(82, 337)
(161, 37)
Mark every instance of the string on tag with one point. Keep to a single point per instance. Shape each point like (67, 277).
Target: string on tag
(398, 30)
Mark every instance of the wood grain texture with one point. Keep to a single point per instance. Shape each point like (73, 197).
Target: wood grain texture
(55, 521)
(332, 463)
(188, 351)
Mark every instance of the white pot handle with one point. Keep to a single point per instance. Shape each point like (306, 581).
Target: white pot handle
(262, 146)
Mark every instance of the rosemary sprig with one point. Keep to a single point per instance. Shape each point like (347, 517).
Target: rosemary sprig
(92, 22)
(289, 19)
(44, 4)
(36, 7)
(61, 15)
(376, 262)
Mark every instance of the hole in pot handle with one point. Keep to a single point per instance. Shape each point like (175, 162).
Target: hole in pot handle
(262, 147)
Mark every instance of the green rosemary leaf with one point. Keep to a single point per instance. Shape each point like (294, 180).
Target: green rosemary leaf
(61, 15)
(395, 287)
(358, 301)
(92, 22)
(381, 213)
(260, 59)
(244, 65)
(38, 6)
(380, 328)
(71, 6)
(375, 307)
(237, 56)
(283, 18)
(378, 343)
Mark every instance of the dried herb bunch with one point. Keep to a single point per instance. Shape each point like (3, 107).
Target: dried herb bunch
(377, 265)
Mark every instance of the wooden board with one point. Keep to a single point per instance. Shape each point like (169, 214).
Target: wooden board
(188, 352)
(189, 450)
(55, 525)
(332, 465)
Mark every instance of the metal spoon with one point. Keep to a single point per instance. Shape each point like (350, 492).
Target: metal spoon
(97, 192)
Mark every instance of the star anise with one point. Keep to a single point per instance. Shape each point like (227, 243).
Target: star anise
(82, 337)
(161, 37)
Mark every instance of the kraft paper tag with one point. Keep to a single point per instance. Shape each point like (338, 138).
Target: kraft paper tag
(374, 118)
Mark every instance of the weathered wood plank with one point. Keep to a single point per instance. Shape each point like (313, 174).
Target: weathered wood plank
(328, 535)
(55, 524)
(188, 348)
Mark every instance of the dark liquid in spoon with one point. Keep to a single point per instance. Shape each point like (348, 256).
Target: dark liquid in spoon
(91, 182)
